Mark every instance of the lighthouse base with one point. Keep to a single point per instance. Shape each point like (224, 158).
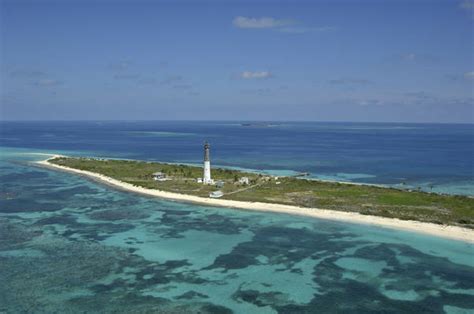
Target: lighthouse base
(207, 173)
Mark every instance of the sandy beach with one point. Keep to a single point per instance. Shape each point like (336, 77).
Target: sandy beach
(451, 232)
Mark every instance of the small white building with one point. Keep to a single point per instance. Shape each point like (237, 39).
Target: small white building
(199, 180)
(244, 180)
(159, 176)
(216, 194)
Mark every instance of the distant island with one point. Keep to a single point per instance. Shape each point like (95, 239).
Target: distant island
(443, 215)
(260, 124)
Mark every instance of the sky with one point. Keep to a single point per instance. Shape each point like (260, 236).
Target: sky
(375, 61)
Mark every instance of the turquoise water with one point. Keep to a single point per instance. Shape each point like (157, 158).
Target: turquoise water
(69, 245)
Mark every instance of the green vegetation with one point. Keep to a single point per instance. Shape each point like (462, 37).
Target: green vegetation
(182, 177)
(365, 199)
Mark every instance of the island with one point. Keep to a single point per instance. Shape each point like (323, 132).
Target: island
(443, 215)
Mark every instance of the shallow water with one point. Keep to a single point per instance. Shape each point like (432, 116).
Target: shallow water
(70, 245)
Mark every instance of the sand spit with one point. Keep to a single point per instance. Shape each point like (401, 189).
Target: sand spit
(451, 232)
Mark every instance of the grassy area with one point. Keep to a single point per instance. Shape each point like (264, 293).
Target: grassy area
(182, 177)
(371, 200)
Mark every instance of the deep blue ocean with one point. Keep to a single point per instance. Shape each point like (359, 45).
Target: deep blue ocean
(71, 245)
(433, 157)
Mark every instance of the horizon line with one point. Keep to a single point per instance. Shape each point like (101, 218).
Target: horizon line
(228, 120)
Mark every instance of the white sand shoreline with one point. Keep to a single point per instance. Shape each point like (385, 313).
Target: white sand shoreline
(450, 232)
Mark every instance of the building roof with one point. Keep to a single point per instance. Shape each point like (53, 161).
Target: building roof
(216, 194)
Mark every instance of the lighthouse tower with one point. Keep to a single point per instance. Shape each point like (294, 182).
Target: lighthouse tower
(207, 165)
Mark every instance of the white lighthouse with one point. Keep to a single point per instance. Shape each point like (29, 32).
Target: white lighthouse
(207, 165)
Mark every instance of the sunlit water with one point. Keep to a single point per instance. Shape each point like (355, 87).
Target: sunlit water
(70, 245)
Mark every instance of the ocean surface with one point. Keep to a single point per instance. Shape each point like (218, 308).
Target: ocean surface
(71, 245)
(433, 157)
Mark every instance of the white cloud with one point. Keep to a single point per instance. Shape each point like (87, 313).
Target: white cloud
(467, 5)
(369, 102)
(417, 58)
(302, 30)
(281, 25)
(247, 75)
(262, 22)
(409, 56)
(469, 75)
(120, 66)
